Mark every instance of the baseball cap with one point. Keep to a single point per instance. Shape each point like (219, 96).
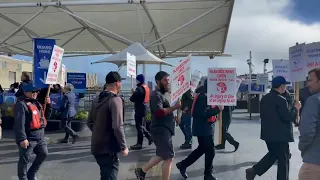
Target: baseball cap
(278, 81)
(29, 87)
(113, 77)
(160, 75)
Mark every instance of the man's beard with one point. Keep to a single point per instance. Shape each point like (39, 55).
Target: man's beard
(163, 89)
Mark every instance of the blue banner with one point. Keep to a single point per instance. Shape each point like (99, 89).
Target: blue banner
(255, 88)
(79, 81)
(41, 59)
(55, 99)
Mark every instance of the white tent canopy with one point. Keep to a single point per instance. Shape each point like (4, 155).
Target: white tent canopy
(142, 56)
(167, 28)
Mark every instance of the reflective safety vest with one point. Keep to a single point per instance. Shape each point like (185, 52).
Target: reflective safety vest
(210, 119)
(38, 120)
(147, 93)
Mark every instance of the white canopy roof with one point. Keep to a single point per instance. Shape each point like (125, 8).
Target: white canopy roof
(167, 28)
(142, 56)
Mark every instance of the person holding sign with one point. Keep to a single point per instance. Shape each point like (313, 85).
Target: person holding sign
(162, 127)
(276, 130)
(30, 121)
(204, 117)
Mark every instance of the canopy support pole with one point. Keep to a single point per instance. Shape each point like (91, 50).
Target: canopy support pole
(21, 26)
(196, 40)
(190, 22)
(90, 30)
(119, 38)
(74, 36)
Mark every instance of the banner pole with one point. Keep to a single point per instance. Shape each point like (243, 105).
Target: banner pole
(220, 127)
(47, 95)
(297, 98)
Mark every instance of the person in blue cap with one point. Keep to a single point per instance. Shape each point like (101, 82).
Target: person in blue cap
(29, 123)
(141, 97)
(276, 130)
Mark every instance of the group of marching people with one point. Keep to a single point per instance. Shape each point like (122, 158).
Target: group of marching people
(106, 121)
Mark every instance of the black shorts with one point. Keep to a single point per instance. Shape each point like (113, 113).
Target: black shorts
(162, 138)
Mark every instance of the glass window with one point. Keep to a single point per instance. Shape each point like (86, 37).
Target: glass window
(4, 64)
(19, 67)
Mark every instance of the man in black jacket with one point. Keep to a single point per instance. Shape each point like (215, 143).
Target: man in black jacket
(203, 128)
(30, 121)
(276, 130)
(140, 97)
(226, 136)
(185, 124)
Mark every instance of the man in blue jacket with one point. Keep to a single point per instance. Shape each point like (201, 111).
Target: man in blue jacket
(68, 111)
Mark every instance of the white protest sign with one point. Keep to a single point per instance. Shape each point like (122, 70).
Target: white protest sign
(181, 76)
(54, 66)
(263, 79)
(63, 75)
(297, 63)
(195, 79)
(222, 86)
(313, 55)
(281, 68)
(131, 65)
(238, 84)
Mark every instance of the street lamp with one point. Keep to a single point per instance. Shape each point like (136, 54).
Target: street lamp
(265, 62)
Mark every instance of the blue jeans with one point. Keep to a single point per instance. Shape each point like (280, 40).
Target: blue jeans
(185, 126)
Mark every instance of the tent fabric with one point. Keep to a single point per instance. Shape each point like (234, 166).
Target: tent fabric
(102, 28)
(142, 56)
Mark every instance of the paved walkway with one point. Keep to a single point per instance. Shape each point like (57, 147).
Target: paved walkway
(74, 162)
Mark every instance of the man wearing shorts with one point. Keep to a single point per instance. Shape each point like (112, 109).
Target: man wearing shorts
(162, 127)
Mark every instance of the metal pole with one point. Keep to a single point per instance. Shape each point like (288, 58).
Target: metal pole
(250, 82)
(188, 23)
(21, 26)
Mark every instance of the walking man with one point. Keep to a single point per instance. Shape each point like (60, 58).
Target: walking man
(162, 127)
(309, 140)
(276, 130)
(226, 136)
(30, 121)
(68, 111)
(185, 124)
(204, 117)
(141, 98)
(106, 123)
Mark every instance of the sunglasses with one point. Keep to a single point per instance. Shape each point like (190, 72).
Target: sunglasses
(35, 91)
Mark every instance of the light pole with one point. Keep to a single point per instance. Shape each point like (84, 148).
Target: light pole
(265, 62)
(249, 62)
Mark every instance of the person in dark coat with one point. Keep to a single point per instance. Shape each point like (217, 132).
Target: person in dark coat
(226, 136)
(276, 130)
(24, 78)
(304, 94)
(68, 111)
(186, 119)
(203, 128)
(140, 97)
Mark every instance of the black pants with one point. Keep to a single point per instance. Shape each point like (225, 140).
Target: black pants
(278, 151)
(226, 136)
(109, 166)
(141, 129)
(206, 146)
(68, 128)
(41, 151)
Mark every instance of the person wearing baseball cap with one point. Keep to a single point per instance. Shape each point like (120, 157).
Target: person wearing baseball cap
(276, 130)
(106, 123)
(29, 124)
(162, 127)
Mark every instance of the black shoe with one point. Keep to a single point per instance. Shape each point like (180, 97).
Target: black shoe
(75, 138)
(182, 170)
(186, 146)
(236, 146)
(250, 174)
(136, 147)
(150, 141)
(64, 141)
(209, 177)
(219, 147)
(140, 174)
(290, 155)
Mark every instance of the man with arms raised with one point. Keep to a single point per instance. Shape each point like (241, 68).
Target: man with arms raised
(162, 127)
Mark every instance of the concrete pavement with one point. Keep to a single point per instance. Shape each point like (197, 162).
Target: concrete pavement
(74, 162)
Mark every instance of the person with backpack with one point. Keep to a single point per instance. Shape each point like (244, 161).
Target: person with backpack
(204, 117)
(29, 123)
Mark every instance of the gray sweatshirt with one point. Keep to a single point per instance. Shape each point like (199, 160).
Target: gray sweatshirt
(309, 140)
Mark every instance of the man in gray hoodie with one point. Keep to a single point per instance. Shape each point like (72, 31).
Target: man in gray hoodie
(309, 140)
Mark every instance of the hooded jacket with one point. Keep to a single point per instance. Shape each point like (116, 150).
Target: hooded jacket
(106, 123)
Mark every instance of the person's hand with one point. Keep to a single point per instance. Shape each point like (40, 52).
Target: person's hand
(24, 144)
(178, 104)
(176, 118)
(125, 152)
(221, 108)
(48, 101)
(297, 105)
